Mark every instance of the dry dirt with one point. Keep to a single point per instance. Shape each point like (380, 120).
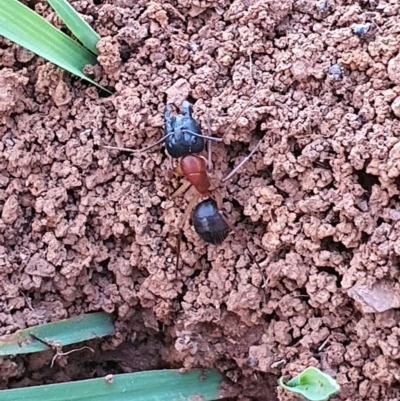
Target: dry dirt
(85, 229)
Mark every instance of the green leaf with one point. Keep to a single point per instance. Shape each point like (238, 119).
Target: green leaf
(64, 332)
(76, 24)
(312, 384)
(158, 385)
(23, 26)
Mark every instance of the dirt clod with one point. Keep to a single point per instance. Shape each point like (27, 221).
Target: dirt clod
(84, 228)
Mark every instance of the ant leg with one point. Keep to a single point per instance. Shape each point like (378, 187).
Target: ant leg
(218, 198)
(188, 210)
(240, 238)
(246, 159)
(181, 190)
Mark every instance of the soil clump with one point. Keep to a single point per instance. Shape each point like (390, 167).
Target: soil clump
(84, 229)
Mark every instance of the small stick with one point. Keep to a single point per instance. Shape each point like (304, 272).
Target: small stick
(323, 344)
(27, 300)
(47, 344)
(209, 151)
(277, 363)
(60, 354)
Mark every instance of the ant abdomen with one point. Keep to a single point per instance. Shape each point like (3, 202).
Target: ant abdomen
(209, 223)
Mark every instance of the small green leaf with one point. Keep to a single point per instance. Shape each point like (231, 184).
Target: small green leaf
(76, 24)
(28, 29)
(312, 384)
(64, 332)
(158, 385)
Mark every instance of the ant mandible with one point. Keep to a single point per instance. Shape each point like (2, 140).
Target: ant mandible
(184, 141)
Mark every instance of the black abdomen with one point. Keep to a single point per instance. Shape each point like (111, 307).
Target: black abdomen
(209, 223)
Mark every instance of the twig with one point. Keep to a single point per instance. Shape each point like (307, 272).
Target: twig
(323, 344)
(58, 348)
(59, 353)
(277, 363)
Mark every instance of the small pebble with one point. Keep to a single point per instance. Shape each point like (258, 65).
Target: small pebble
(361, 30)
(336, 72)
(394, 69)
(396, 106)
(323, 6)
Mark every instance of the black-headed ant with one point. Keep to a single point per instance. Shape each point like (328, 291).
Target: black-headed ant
(184, 141)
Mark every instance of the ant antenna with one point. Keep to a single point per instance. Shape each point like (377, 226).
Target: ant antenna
(235, 170)
(139, 150)
(241, 239)
(249, 101)
(210, 138)
(241, 113)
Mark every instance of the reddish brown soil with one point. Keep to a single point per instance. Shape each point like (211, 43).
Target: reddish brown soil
(85, 229)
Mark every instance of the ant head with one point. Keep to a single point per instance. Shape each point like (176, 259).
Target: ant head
(182, 143)
(182, 133)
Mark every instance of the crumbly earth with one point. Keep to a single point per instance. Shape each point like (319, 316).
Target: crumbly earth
(84, 229)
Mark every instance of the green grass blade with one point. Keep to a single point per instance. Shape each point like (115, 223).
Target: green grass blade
(23, 26)
(158, 385)
(76, 24)
(65, 332)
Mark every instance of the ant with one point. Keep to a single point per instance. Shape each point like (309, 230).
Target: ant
(184, 141)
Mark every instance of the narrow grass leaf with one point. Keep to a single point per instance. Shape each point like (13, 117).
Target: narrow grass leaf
(23, 26)
(64, 332)
(158, 385)
(76, 24)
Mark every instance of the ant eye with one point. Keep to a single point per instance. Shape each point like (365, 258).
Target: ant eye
(194, 140)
